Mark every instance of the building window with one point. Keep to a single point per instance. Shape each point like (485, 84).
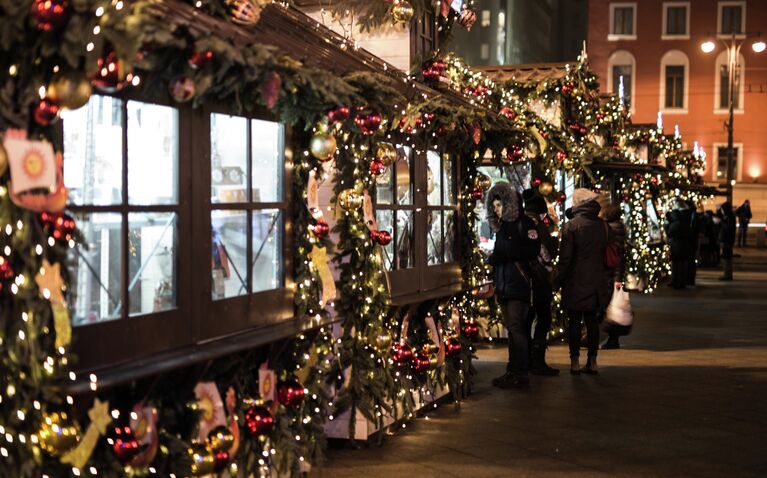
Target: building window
(484, 51)
(247, 158)
(622, 64)
(732, 18)
(721, 162)
(125, 201)
(622, 21)
(441, 206)
(395, 210)
(676, 20)
(674, 82)
(486, 18)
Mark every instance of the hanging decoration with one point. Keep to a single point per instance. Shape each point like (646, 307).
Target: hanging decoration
(70, 91)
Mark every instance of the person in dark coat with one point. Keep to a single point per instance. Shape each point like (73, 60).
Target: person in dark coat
(744, 217)
(727, 238)
(697, 229)
(516, 244)
(541, 269)
(614, 217)
(680, 237)
(582, 275)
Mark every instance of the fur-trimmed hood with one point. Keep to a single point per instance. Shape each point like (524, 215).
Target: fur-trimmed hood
(511, 201)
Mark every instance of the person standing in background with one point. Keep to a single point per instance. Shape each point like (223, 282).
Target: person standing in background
(727, 235)
(614, 218)
(744, 217)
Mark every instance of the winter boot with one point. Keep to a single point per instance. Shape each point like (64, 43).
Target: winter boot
(727, 269)
(575, 367)
(500, 381)
(516, 381)
(538, 365)
(591, 366)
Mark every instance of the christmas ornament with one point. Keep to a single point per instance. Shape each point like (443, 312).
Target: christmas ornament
(476, 134)
(546, 188)
(58, 433)
(59, 226)
(435, 72)
(245, 12)
(143, 422)
(110, 74)
(483, 182)
(221, 459)
(536, 182)
(477, 194)
(6, 271)
(467, 18)
(182, 89)
(70, 91)
(470, 330)
(383, 238)
(339, 114)
(561, 156)
(211, 408)
(440, 131)
(421, 363)
(320, 259)
(384, 341)
(452, 346)
(320, 229)
(350, 200)
(401, 354)
(200, 59)
(46, 112)
(124, 444)
(431, 351)
(220, 439)
(409, 124)
(507, 112)
(258, 421)
(234, 426)
(100, 419)
(32, 172)
(377, 167)
(515, 153)
(402, 11)
(49, 282)
(202, 461)
(368, 123)
(49, 15)
(270, 89)
(386, 153)
(290, 393)
(561, 199)
(483, 308)
(323, 146)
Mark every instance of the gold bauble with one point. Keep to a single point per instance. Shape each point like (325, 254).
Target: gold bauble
(386, 153)
(220, 439)
(546, 188)
(349, 199)
(483, 308)
(323, 146)
(483, 182)
(58, 433)
(202, 459)
(432, 351)
(384, 341)
(70, 91)
(3, 159)
(402, 11)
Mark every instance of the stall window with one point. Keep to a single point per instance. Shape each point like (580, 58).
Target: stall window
(247, 205)
(395, 210)
(122, 172)
(440, 208)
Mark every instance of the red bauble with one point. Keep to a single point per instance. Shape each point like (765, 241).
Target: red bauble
(536, 182)
(124, 444)
(200, 59)
(421, 363)
(221, 460)
(401, 354)
(561, 156)
(470, 330)
(271, 88)
(477, 194)
(339, 114)
(368, 124)
(182, 89)
(407, 126)
(452, 346)
(110, 76)
(60, 226)
(6, 271)
(377, 167)
(515, 153)
(428, 116)
(46, 112)
(562, 197)
(290, 393)
(507, 112)
(258, 421)
(320, 229)
(49, 14)
(383, 238)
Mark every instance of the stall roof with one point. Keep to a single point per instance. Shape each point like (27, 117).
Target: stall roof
(527, 73)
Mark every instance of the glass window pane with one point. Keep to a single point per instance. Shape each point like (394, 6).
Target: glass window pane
(228, 159)
(385, 221)
(152, 265)
(268, 143)
(676, 20)
(405, 240)
(229, 253)
(433, 178)
(449, 230)
(385, 186)
(96, 277)
(434, 237)
(404, 173)
(449, 187)
(152, 154)
(267, 249)
(93, 153)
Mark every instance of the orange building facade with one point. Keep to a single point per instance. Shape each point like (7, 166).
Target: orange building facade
(651, 50)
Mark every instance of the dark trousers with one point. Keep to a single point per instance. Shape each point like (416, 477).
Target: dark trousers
(678, 273)
(743, 234)
(575, 319)
(515, 316)
(692, 271)
(541, 312)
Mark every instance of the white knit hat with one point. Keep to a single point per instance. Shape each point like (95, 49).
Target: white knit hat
(582, 195)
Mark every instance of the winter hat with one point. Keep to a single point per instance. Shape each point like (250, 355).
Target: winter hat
(534, 203)
(583, 195)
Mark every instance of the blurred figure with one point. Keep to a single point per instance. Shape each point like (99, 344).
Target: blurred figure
(744, 217)
(696, 231)
(613, 216)
(727, 235)
(680, 236)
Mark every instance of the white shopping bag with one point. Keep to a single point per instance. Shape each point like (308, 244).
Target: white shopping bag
(619, 317)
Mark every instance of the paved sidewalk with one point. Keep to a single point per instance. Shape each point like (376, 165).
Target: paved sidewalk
(686, 396)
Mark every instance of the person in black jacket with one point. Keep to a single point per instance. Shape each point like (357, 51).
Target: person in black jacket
(516, 244)
(744, 217)
(727, 238)
(582, 275)
(613, 216)
(680, 236)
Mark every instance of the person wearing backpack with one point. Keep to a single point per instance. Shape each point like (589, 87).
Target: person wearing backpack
(582, 276)
(516, 244)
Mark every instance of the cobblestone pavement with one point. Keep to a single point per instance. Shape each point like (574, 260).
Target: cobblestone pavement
(685, 396)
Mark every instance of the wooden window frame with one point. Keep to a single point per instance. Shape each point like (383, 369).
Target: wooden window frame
(665, 35)
(622, 36)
